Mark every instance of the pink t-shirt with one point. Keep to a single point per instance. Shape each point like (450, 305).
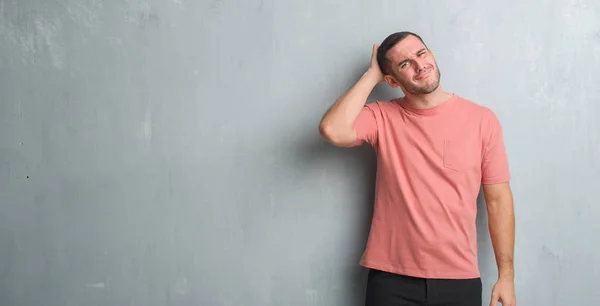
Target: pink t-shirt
(430, 167)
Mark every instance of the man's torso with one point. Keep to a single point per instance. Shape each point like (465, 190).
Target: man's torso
(429, 173)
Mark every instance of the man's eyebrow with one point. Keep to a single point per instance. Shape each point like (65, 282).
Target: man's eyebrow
(402, 62)
(406, 60)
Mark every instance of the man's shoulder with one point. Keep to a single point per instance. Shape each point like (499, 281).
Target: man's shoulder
(483, 116)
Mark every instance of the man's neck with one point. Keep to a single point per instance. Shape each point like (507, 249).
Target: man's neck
(433, 99)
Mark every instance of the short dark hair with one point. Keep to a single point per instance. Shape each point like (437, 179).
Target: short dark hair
(387, 44)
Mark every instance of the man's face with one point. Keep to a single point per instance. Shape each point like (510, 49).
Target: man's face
(413, 67)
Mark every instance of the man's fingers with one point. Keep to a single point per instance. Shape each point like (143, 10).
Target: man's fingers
(494, 301)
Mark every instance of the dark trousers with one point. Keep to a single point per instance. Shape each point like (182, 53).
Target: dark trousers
(388, 289)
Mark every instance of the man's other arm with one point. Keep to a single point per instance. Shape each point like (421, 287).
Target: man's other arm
(501, 218)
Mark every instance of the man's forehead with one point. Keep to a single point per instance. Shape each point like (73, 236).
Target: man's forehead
(406, 48)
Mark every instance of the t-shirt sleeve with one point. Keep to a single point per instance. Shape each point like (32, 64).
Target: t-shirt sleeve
(494, 164)
(365, 126)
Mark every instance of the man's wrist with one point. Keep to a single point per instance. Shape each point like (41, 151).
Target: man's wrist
(507, 274)
(372, 76)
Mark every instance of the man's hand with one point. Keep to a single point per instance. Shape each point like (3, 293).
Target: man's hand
(504, 292)
(374, 69)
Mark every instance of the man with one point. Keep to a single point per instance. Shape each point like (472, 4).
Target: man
(434, 152)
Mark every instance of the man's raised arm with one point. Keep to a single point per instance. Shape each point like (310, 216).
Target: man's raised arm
(337, 124)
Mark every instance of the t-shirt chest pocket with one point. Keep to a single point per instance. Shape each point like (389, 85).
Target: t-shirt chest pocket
(461, 154)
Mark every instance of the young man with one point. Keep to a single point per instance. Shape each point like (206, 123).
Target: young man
(434, 152)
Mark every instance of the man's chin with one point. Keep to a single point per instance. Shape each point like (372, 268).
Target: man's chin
(423, 90)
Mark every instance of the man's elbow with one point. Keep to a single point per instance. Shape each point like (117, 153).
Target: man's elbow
(501, 202)
(499, 193)
(336, 136)
(503, 206)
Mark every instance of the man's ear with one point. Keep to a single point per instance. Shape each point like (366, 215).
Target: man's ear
(391, 80)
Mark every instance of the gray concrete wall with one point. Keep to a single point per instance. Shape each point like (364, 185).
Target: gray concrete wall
(166, 152)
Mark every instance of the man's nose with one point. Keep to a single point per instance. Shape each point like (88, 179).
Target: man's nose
(419, 66)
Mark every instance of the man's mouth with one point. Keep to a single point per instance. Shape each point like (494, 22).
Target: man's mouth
(423, 75)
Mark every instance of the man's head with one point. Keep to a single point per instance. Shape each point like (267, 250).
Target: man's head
(406, 62)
